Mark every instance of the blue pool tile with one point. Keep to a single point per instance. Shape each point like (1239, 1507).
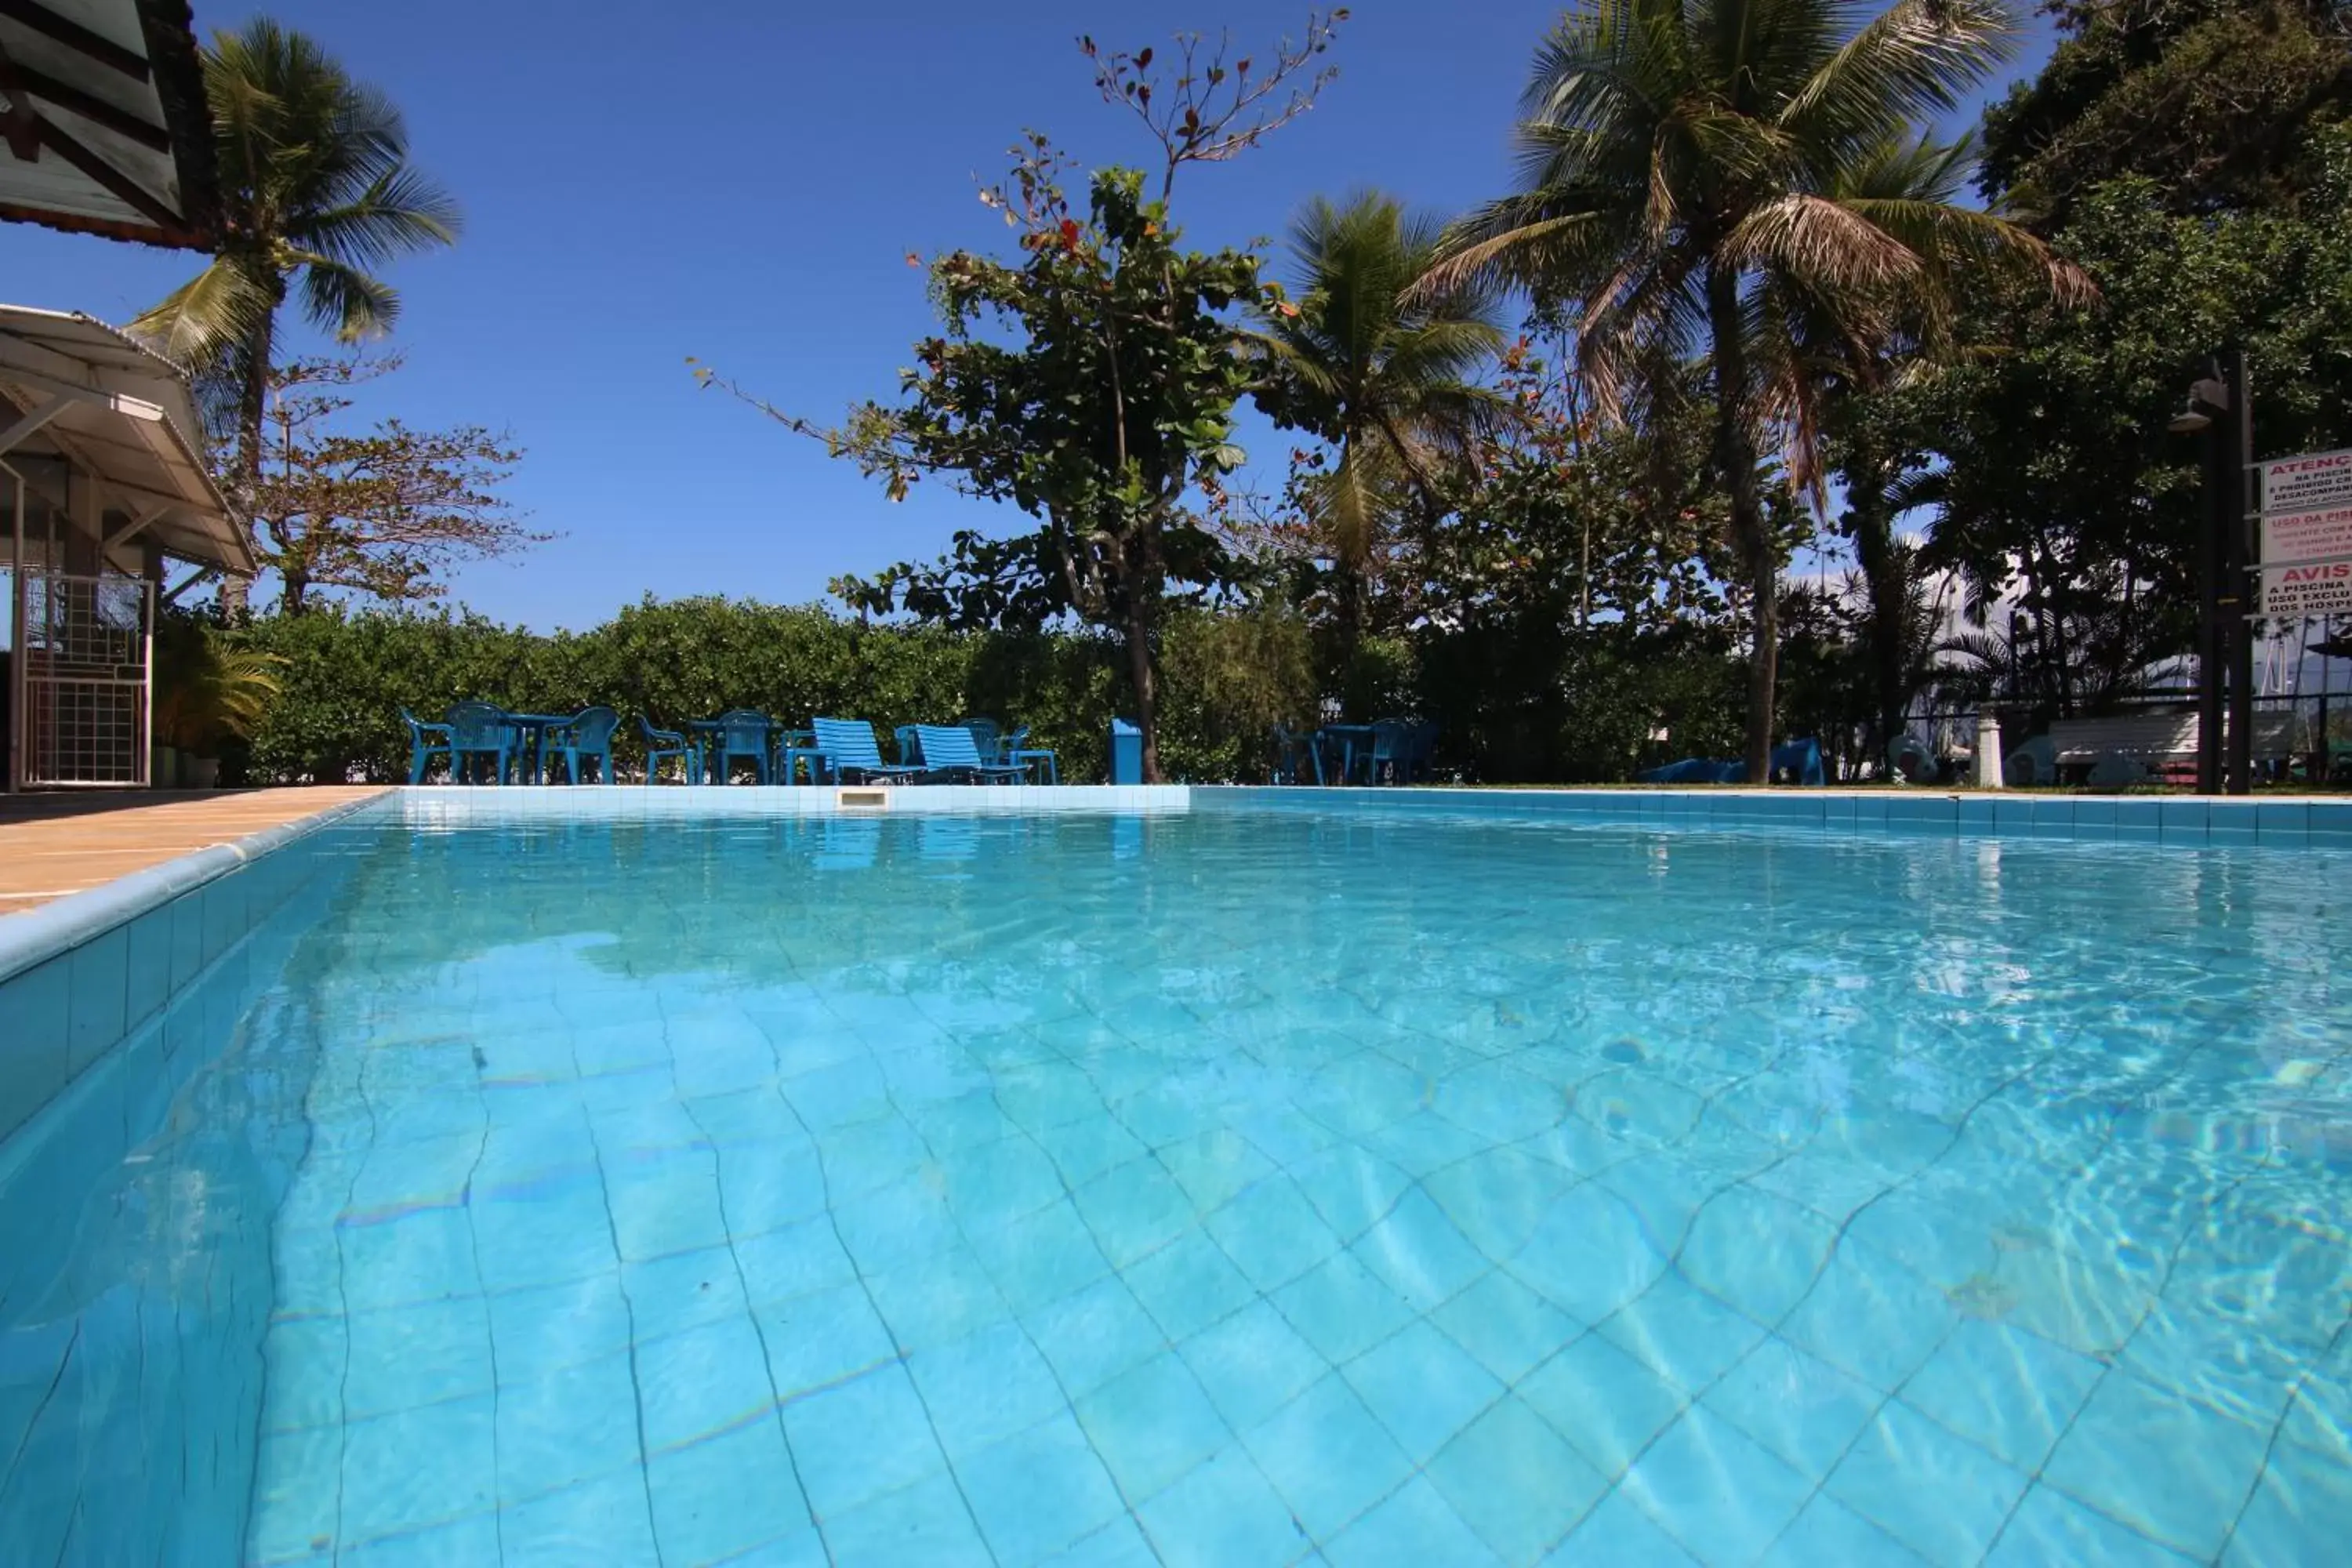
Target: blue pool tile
(1796, 1405)
(1516, 1481)
(2130, 1434)
(704, 1510)
(702, 1380)
(297, 1489)
(1714, 1489)
(1683, 1333)
(1606, 1404)
(98, 972)
(421, 1353)
(1224, 1511)
(561, 1431)
(1508, 1327)
(1351, 1187)
(2049, 1527)
(1756, 1251)
(542, 1332)
(1593, 1254)
(937, 1299)
(1871, 1317)
(418, 1468)
(1252, 1364)
(1119, 1544)
(1937, 1493)
(793, 1260)
(1424, 1387)
(1135, 1209)
(984, 1388)
(34, 1060)
(2230, 823)
(1152, 1425)
(2282, 823)
(2012, 1393)
(1341, 1309)
(1328, 1457)
(2182, 821)
(2297, 1514)
(1981, 814)
(998, 1183)
(820, 1338)
(1041, 1257)
(187, 918)
(148, 970)
(1187, 1285)
(1826, 1533)
(861, 1439)
(2331, 824)
(473, 1540)
(1039, 1492)
(1618, 1535)
(1414, 1525)
(927, 1522)
(607, 1519)
(1418, 1252)
(1094, 1334)
(1272, 1233)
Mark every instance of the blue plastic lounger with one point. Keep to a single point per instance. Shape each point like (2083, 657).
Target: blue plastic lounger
(589, 734)
(1015, 749)
(663, 744)
(742, 732)
(479, 730)
(987, 735)
(850, 749)
(948, 749)
(427, 741)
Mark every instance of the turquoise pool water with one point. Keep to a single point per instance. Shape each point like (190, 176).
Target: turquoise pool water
(1230, 1189)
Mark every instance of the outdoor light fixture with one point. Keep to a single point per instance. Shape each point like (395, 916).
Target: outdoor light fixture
(2206, 397)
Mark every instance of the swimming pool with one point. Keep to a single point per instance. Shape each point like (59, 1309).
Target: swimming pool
(1228, 1187)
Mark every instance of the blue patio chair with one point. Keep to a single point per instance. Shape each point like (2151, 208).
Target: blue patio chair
(987, 736)
(850, 749)
(1388, 753)
(742, 732)
(1421, 752)
(589, 734)
(948, 749)
(479, 730)
(427, 741)
(1015, 750)
(1293, 756)
(663, 744)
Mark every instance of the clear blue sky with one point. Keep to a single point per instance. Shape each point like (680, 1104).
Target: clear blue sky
(742, 183)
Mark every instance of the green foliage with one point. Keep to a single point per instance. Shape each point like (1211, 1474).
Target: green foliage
(209, 689)
(2217, 102)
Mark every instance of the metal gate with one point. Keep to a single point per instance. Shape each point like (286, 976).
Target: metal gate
(84, 655)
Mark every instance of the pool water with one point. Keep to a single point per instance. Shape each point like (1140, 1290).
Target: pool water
(1237, 1189)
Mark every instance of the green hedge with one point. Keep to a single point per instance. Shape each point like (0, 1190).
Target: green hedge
(347, 676)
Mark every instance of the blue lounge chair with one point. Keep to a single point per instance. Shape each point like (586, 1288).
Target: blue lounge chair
(426, 741)
(589, 734)
(850, 749)
(742, 732)
(480, 730)
(948, 749)
(1015, 749)
(662, 744)
(987, 735)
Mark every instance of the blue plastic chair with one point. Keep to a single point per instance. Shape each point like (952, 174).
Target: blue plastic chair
(662, 744)
(850, 748)
(1013, 751)
(948, 749)
(589, 734)
(1389, 752)
(422, 746)
(987, 735)
(1421, 752)
(480, 730)
(742, 732)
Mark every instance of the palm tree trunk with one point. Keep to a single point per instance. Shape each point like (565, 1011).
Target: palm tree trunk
(1735, 457)
(253, 407)
(1889, 587)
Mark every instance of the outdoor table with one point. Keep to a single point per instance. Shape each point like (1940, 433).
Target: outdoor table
(714, 760)
(791, 745)
(1348, 736)
(533, 727)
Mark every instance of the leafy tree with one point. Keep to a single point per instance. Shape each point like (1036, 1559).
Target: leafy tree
(1384, 378)
(379, 512)
(2217, 102)
(1091, 382)
(1741, 183)
(317, 190)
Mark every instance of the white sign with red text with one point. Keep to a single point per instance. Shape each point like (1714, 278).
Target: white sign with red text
(2308, 536)
(2315, 588)
(2315, 481)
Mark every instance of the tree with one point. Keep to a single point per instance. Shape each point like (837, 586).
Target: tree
(1740, 183)
(1383, 378)
(2217, 102)
(316, 190)
(1091, 382)
(379, 512)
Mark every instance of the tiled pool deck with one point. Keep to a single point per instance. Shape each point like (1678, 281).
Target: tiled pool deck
(54, 846)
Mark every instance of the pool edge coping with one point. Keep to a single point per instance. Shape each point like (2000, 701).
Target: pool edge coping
(35, 936)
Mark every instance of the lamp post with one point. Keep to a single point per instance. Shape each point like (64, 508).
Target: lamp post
(2221, 409)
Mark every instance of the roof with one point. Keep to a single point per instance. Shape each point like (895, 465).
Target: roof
(123, 413)
(106, 129)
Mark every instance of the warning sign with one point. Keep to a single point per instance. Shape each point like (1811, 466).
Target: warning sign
(2308, 535)
(2315, 481)
(2319, 588)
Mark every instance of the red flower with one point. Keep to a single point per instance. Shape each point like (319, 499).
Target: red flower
(1070, 236)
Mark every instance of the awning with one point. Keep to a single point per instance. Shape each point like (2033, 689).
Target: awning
(123, 413)
(105, 129)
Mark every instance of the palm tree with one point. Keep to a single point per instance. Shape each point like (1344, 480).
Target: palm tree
(1742, 183)
(316, 190)
(1382, 378)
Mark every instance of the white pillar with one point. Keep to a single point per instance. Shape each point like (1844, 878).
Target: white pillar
(1985, 769)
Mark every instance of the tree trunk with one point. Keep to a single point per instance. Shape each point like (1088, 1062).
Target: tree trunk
(1890, 616)
(1143, 671)
(252, 409)
(293, 590)
(1735, 457)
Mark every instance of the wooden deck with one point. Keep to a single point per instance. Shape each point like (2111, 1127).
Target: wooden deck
(53, 845)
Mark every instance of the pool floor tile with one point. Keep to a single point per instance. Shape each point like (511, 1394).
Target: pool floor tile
(1685, 1335)
(1606, 1404)
(1094, 1334)
(984, 1388)
(597, 1523)
(855, 1442)
(1328, 1456)
(1516, 1481)
(1152, 1425)
(1187, 1285)
(1938, 1494)
(1618, 1535)
(2009, 1392)
(1039, 1492)
(1795, 1404)
(926, 1522)
(2130, 1431)
(1828, 1534)
(1714, 1489)
(1422, 1387)
(1341, 1308)
(730, 1496)
(1414, 1525)
(1252, 1364)
(2048, 1527)
(1223, 1512)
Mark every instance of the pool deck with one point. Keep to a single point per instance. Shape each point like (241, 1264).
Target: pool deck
(52, 845)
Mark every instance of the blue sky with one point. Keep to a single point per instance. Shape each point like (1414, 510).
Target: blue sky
(742, 183)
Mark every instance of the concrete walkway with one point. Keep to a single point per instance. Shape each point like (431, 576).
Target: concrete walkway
(53, 845)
